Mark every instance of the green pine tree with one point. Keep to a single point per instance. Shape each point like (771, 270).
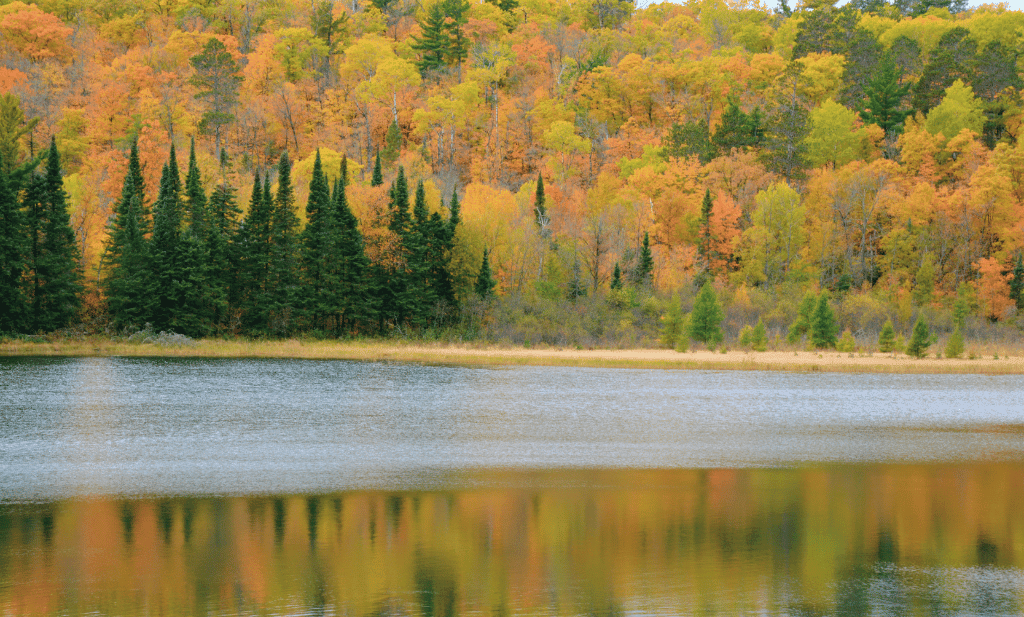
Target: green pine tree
(706, 240)
(802, 324)
(377, 178)
(706, 317)
(58, 286)
(222, 252)
(920, 340)
(672, 325)
(351, 303)
(283, 279)
(540, 211)
(1017, 283)
(955, 344)
(203, 301)
(885, 96)
(253, 246)
(887, 338)
(645, 269)
(317, 249)
(13, 304)
(166, 254)
(125, 266)
(392, 144)
(485, 282)
(616, 283)
(824, 329)
(759, 337)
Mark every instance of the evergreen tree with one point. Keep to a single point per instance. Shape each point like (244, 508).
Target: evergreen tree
(616, 283)
(222, 252)
(950, 60)
(58, 286)
(166, 263)
(485, 282)
(738, 129)
(442, 41)
(672, 325)
(253, 246)
(421, 250)
(283, 281)
(887, 338)
(351, 302)
(318, 251)
(802, 324)
(1017, 283)
(759, 338)
(377, 178)
(643, 271)
(203, 300)
(706, 239)
(126, 272)
(955, 344)
(688, 139)
(13, 305)
(707, 316)
(576, 288)
(919, 340)
(392, 144)
(885, 96)
(824, 330)
(540, 211)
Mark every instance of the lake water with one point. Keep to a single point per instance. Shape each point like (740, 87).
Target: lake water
(164, 486)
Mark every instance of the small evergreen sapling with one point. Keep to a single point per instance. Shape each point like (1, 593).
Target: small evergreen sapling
(759, 337)
(887, 338)
(802, 324)
(672, 329)
(955, 344)
(920, 340)
(485, 282)
(823, 324)
(707, 316)
(846, 343)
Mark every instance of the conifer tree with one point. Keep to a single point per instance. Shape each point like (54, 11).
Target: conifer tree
(392, 144)
(887, 338)
(57, 275)
(955, 344)
(377, 178)
(616, 283)
(759, 338)
(706, 239)
(1017, 283)
(166, 263)
(824, 330)
(254, 256)
(707, 316)
(13, 305)
(126, 271)
(317, 242)
(454, 214)
(485, 282)
(885, 96)
(222, 252)
(802, 324)
(203, 299)
(644, 269)
(672, 328)
(351, 302)
(282, 282)
(540, 211)
(919, 340)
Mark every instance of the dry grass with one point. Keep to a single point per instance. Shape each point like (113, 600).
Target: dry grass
(482, 354)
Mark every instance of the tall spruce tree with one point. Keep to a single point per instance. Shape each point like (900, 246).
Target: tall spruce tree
(222, 252)
(706, 317)
(13, 305)
(377, 178)
(351, 301)
(283, 280)
(57, 275)
(540, 211)
(203, 299)
(824, 330)
(167, 254)
(485, 282)
(125, 270)
(253, 245)
(706, 238)
(317, 241)
(645, 268)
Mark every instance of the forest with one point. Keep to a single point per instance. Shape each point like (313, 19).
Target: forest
(522, 171)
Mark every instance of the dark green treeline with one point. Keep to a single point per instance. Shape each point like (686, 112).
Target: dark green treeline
(40, 270)
(192, 264)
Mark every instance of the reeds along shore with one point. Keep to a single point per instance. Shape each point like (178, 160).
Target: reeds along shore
(1002, 361)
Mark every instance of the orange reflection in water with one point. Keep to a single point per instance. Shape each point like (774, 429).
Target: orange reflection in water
(850, 539)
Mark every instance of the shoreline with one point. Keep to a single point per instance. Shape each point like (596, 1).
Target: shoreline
(496, 355)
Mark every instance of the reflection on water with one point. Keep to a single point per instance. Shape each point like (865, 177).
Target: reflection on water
(846, 540)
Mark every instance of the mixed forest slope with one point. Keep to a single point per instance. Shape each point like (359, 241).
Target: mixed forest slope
(605, 159)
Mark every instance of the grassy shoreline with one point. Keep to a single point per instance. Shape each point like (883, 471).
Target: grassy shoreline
(495, 355)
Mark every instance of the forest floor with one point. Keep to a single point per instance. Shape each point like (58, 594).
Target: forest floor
(482, 354)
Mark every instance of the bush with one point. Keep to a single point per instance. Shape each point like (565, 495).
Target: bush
(847, 342)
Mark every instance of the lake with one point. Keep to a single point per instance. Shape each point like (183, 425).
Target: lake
(276, 487)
